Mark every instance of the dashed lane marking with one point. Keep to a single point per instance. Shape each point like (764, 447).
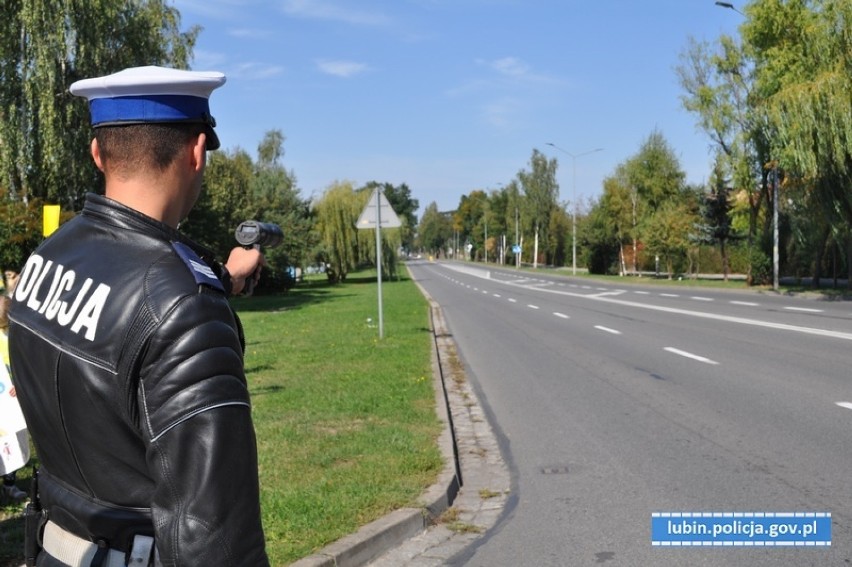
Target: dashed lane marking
(607, 330)
(685, 354)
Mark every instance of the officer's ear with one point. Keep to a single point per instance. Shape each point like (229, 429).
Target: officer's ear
(96, 154)
(199, 152)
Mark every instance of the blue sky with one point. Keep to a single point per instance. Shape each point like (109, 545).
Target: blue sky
(449, 96)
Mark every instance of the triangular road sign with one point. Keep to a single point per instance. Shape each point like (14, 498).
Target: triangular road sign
(371, 213)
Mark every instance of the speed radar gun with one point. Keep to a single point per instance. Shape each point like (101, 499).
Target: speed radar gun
(250, 234)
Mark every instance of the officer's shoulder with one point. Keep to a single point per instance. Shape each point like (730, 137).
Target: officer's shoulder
(200, 271)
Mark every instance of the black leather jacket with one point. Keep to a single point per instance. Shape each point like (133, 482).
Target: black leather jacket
(128, 363)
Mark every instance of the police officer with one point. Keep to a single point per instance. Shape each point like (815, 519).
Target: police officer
(127, 357)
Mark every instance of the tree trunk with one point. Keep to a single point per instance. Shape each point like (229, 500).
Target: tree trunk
(535, 249)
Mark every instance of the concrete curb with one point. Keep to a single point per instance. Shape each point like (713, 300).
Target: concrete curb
(388, 532)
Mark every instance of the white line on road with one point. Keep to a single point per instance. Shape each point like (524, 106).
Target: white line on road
(847, 405)
(497, 295)
(699, 298)
(690, 355)
(669, 295)
(561, 315)
(607, 330)
(513, 300)
(642, 292)
(532, 306)
(701, 314)
(745, 303)
(804, 309)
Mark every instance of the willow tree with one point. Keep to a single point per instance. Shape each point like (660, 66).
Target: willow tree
(336, 213)
(48, 44)
(803, 69)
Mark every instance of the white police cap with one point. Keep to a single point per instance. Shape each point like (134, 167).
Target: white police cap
(151, 94)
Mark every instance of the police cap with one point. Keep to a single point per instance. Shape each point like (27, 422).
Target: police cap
(141, 95)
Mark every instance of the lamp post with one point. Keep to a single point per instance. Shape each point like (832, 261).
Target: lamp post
(574, 199)
(729, 6)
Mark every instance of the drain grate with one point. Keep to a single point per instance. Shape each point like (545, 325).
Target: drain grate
(554, 469)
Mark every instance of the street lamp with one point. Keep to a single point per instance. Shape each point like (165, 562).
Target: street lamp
(729, 6)
(574, 199)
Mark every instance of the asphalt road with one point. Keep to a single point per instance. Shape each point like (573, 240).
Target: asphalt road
(612, 403)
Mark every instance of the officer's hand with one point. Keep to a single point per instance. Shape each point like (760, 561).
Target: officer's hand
(244, 264)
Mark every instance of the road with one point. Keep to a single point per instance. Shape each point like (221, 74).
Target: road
(612, 403)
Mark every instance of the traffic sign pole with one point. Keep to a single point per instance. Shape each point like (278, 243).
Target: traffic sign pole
(379, 258)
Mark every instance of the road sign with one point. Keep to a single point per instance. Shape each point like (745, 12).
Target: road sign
(384, 211)
(516, 249)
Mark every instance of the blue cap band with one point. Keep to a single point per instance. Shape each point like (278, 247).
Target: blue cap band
(150, 108)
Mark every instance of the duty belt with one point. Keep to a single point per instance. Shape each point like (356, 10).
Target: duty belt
(78, 552)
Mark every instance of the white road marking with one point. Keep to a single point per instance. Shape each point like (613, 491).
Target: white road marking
(804, 309)
(690, 355)
(561, 315)
(607, 330)
(513, 300)
(699, 298)
(698, 314)
(745, 303)
(642, 292)
(847, 405)
(669, 295)
(497, 295)
(532, 306)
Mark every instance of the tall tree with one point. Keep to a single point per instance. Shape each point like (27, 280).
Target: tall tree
(719, 86)
(803, 59)
(47, 45)
(435, 230)
(541, 191)
(223, 203)
(715, 216)
(336, 214)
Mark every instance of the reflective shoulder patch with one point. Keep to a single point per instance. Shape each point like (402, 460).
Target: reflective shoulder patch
(202, 273)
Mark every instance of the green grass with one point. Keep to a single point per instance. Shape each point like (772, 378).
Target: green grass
(346, 423)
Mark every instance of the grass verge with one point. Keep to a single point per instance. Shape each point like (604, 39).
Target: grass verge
(346, 423)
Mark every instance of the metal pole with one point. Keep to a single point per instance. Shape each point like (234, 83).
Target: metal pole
(574, 201)
(775, 228)
(379, 258)
(574, 218)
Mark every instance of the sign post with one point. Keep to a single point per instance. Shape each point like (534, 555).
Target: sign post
(378, 213)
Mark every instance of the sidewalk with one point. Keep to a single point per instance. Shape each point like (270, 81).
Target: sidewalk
(468, 498)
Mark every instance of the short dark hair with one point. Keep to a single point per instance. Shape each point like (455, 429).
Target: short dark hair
(128, 149)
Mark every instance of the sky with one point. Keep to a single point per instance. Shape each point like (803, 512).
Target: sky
(451, 96)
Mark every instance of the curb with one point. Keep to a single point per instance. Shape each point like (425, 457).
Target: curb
(388, 532)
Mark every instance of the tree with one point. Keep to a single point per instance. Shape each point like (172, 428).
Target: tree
(667, 232)
(541, 191)
(20, 232)
(224, 201)
(655, 172)
(47, 45)
(715, 213)
(620, 204)
(275, 197)
(467, 220)
(720, 90)
(435, 230)
(336, 214)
